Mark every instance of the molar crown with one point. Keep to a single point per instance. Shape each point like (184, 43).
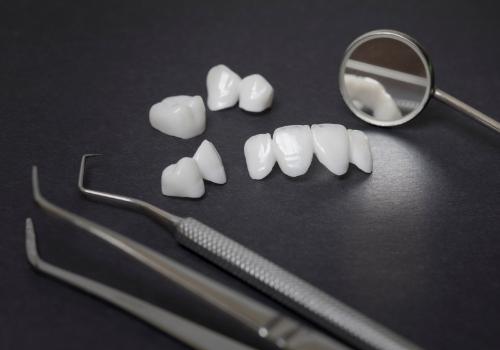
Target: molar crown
(182, 179)
(256, 94)
(179, 116)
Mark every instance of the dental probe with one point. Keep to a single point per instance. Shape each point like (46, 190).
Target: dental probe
(341, 320)
(268, 323)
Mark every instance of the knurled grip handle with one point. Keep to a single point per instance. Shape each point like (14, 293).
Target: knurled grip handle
(336, 317)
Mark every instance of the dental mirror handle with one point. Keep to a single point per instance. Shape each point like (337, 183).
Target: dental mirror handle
(333, 315)
(466, 109)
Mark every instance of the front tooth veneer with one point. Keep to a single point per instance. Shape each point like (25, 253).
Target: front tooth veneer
(182, 179)
(210, 163)
(359, 150)
(293, 149)
(180, 116)
(259, 156)
(223, 86)
(331, 146)
(256, 94)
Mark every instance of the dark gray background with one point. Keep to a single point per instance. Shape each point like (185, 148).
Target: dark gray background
(415, 245)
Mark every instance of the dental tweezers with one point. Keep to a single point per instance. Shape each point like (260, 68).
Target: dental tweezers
(331, 314)
(278, 329)
(190, 333)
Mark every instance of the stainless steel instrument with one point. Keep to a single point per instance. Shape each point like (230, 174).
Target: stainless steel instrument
(397, 81)
(190, 333)
(278, 329)
(344, 322)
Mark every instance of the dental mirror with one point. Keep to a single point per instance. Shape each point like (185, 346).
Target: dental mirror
(386, 79)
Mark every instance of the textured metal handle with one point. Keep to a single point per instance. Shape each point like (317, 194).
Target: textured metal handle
(297, 294)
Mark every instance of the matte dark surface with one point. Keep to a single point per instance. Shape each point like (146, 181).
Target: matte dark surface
(415, 245)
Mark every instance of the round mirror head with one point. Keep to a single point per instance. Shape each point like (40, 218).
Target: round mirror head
(385, 78)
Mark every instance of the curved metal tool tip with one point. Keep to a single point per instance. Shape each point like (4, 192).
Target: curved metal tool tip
(37, 194)
(170, 220)
(30, 242)
(34, 183)
(188, 332)
(81, 173)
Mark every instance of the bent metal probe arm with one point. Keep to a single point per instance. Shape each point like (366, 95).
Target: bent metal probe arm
(190, 333)
(341, 320)
(265, 321)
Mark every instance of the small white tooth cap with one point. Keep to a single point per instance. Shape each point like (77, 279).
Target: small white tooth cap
(293, 149)
(256, 94)
(331, 146)
(210, 163)
(179, 116)
(259, 156)
(182, 179)
(223, 86)
(359, 150)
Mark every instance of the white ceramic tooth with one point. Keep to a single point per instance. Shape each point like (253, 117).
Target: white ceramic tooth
(180, 116)
(210, 163)
(259, 156)
(223, 87)
(364, 90)
(182, 179)
(386, 108)
(370, 93)
(293, 149)
(256, 94)
(359, 150)
(331, 146)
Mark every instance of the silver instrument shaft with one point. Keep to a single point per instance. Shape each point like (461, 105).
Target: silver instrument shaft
(190, 333)
(331, 314)
(267, 322)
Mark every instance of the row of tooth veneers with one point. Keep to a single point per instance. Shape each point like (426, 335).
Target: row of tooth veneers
(293, 147)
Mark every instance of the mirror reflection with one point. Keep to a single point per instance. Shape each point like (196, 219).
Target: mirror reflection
(385, 79)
